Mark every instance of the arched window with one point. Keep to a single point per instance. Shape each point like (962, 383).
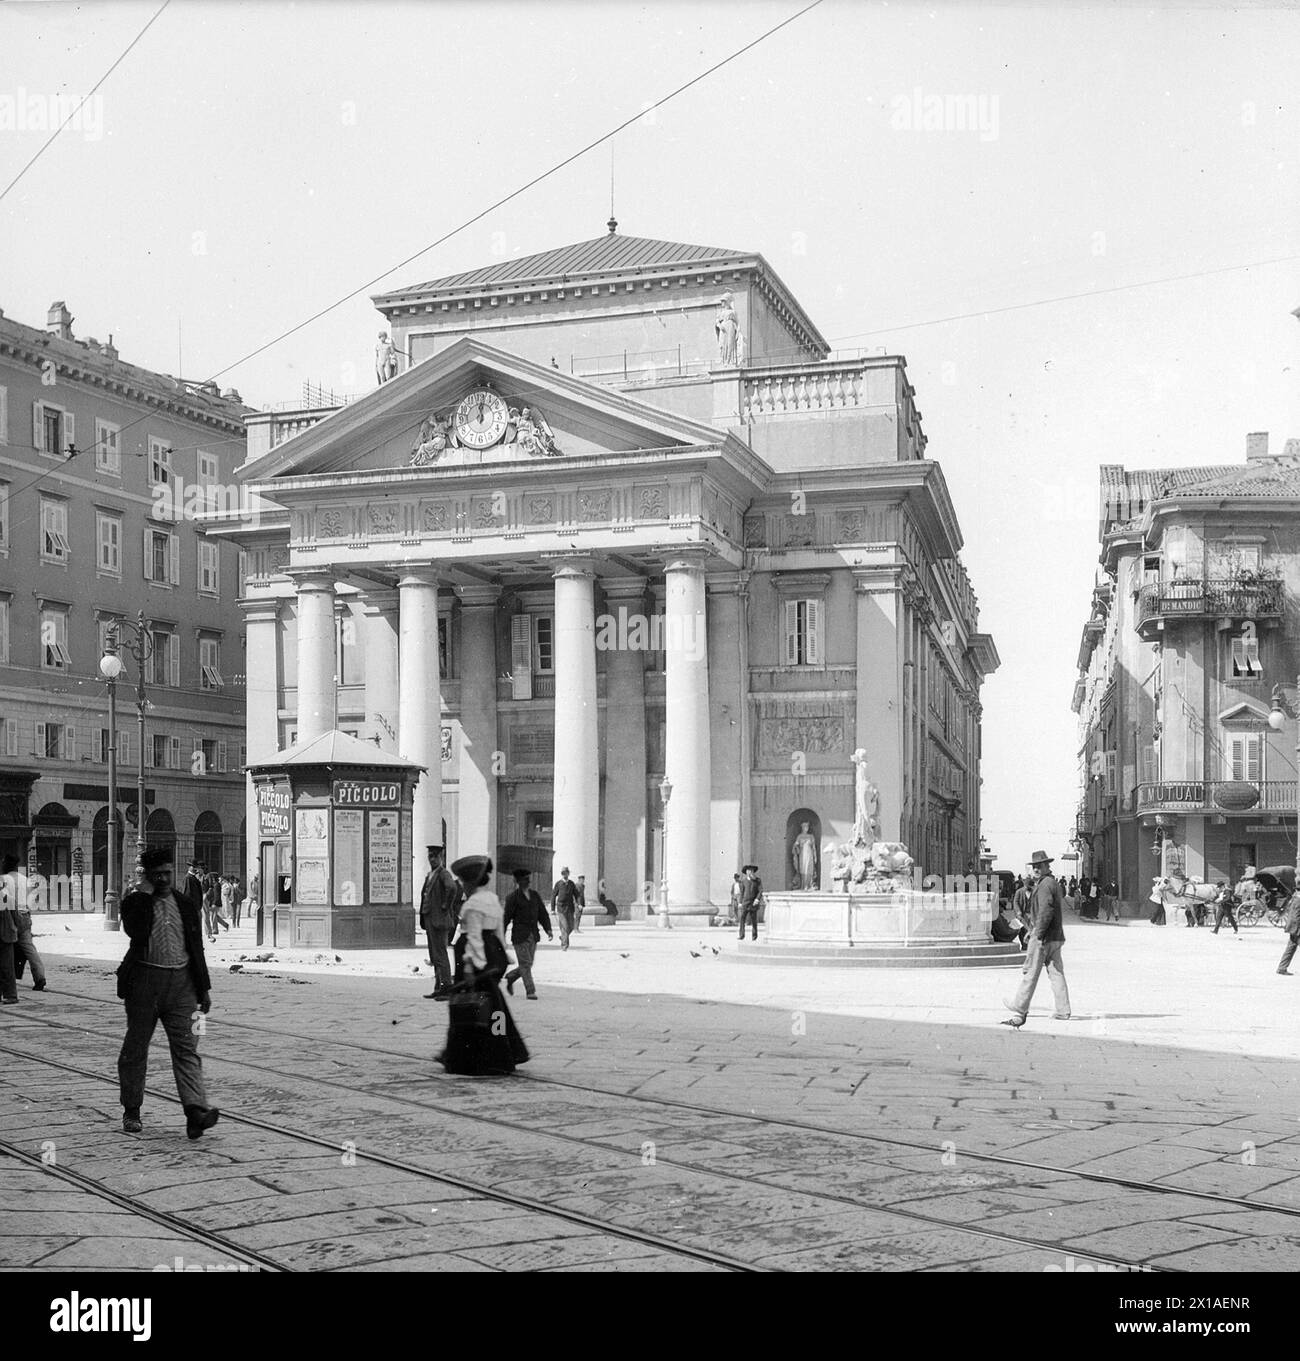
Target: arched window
(160, 831)
(208, 843)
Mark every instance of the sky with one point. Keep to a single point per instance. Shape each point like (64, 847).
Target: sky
(939, 181)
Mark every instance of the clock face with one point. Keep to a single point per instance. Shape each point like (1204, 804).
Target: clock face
(481, 419)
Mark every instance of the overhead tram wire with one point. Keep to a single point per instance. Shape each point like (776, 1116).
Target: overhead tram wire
(50, 140)
(455, 231)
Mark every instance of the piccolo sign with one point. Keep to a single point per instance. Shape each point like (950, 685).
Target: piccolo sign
(366, 794)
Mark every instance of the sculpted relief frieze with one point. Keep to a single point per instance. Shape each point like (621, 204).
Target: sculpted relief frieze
(382, 519)
(596, 505)
(330, 524)
(435, 517)
(814, 734)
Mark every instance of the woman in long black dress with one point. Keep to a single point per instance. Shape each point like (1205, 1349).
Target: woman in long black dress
(482, 1038)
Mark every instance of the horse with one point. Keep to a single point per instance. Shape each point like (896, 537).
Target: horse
(1193, 896)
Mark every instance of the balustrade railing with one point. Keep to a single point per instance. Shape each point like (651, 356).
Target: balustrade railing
(1272, 796)
(812, 387)
(1224, 597)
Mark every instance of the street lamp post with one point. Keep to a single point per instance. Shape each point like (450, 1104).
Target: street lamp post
(1276, 720)
(110, 667)
(665, 792)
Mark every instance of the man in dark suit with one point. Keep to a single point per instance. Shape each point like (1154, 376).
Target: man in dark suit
(163, 978)
(440, 900)
(751, 900)
(524, 914)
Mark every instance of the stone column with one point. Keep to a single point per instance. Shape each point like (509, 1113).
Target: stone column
(625, 738)
(262, 704)
(480, 768)
(879, 694)
(380, 624)
(577, 758)
(686, 758)
(419, 729)
(317, 699)
(728, 678)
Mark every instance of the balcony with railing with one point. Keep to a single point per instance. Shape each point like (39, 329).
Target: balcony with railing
(1208, 598)
(1218, 796)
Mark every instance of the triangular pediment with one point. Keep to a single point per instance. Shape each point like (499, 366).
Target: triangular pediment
(1244, 717)
(412, 420)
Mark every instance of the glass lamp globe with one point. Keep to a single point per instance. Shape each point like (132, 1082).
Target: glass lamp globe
(1276, 718)
(110, 666)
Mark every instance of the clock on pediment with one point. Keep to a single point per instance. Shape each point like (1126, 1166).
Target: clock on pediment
(481, 419)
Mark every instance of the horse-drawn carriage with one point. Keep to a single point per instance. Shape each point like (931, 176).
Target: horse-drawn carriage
(1276, 885)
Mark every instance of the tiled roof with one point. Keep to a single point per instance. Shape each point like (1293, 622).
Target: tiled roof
(1267, 478)
(608, 254)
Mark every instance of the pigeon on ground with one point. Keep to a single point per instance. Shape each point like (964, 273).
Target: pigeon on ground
(416, 969)
(66, 927)
(715, 949)
(236, 968)
(338, 959)
(695, 954)
(625, 956)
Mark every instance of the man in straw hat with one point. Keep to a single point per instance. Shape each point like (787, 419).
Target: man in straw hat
(1046, 937)
(751, 899)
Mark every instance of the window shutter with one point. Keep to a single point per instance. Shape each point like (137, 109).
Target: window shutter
(40, 739)
(148, 752)
(124, 748)
(174, 752)
(69, 431)
(11, 737)
(38, 426)
(223, 750)
(521, 655)
(1254, 757)
(148, 555)
(174, 540)
(69, 743)
(174, 658)
(200, 766)
(1112, 758)
(791, 633)
(813, 630)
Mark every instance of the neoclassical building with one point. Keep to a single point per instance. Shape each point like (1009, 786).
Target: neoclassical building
(620, 515)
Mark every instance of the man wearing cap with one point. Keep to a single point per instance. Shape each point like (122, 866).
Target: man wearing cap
(564, 903)
(751, 899)
(163, 978)
(440, 898)
(1046, 938)
(524, 913)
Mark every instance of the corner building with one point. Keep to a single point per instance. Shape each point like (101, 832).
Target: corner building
(581, 543)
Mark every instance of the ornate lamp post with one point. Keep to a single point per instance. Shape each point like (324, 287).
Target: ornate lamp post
(1276, 720)
(665, 793)
(110, 667)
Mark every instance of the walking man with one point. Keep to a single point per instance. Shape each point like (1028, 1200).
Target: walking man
(440, 900)
(1292, 925)
(163, 978)
(8, 939)
(582, 902)
(564, 903)
(1046, 938)
(1223, 906)
(13, 889)
(1022, 903)
(524, 913)
(751, 899)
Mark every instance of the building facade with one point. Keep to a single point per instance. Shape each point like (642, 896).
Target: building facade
(103, 465)
(1192, 626)
(623, 518)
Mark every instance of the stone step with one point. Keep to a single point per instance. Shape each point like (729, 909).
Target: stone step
(950, 956)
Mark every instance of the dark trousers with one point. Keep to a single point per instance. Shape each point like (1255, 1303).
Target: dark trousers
(8, 980)
(437, 938)
(525, 952)
(750, 915)
(1220, 912)
(165, 995)
(1288, 953)
(565, 922)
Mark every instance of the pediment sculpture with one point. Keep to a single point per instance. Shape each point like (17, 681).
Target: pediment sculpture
(479, 421)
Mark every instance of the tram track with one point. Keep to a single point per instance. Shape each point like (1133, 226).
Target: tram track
(800, 1126)
(229, 1116)
(829, 1199)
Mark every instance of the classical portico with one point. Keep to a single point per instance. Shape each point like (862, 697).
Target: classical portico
(554, 593)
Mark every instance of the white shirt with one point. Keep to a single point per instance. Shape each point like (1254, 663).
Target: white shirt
(481, 911)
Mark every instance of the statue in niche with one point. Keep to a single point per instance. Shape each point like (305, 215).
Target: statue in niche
(804, 855)
(866, 822)
(726, 328)
(435, 437)
(385, 358)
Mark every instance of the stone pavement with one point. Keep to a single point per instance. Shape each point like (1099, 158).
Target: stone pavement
(1178, 1070)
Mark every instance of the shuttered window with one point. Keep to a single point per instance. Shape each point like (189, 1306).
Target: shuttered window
(803, 633)
(521, 656)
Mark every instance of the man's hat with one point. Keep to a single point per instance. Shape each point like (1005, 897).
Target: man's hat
(744, 869)
(523, 874)
(158, 856)
(565, 870)
(472, 868)
(1040, 858)
(434, 850)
